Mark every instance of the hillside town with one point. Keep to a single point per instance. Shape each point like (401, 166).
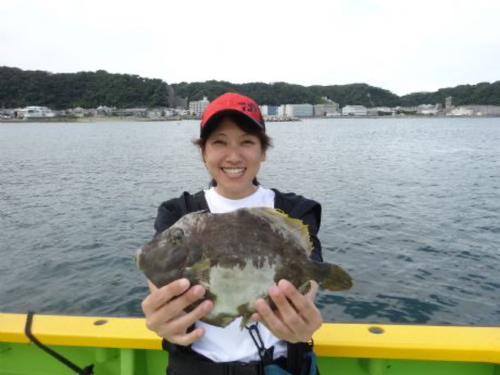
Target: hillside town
(284, 112)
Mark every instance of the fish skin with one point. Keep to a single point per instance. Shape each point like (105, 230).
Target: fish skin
(237, 256)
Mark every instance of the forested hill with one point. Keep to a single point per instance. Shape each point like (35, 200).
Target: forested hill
(285, 93)
(483, 93)
(357, 94)
(20, 88)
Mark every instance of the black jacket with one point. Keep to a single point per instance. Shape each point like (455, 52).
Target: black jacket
(295, 206)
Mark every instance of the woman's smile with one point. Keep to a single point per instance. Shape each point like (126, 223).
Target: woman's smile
(234, 171)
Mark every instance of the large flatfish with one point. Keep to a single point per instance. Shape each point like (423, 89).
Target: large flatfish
(237, 256)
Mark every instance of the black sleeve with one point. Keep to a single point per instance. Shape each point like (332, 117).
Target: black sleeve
(168, 214)
(307, 210)
(172, 210)
(312, 218)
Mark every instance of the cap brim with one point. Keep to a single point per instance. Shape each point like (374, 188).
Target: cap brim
(207, 128)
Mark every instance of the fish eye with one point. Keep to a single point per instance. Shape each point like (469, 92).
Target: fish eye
(177, 234)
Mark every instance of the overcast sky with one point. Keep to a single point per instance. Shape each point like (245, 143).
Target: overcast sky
(400, 45)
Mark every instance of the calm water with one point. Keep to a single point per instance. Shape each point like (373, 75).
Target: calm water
(411, 208)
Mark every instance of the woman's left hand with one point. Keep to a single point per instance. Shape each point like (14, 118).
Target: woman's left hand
(296, 319)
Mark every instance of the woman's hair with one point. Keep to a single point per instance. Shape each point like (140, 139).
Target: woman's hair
(245, 124)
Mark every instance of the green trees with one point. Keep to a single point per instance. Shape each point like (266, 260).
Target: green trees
(483, 93)
(19, 88)
(359, 94)
(284, 93)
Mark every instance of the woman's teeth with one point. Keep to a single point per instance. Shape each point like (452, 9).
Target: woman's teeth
(233, 170)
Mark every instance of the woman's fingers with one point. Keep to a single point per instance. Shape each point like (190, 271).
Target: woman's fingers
(303, 304)
(175, 330)
(163, 295)
(289, 312)
(187, 338)
(296, 317)
(183, 322)
(164, 311)
(180, 303)
(271, 320)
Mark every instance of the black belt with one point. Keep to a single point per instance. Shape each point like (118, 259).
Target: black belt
(195, 364)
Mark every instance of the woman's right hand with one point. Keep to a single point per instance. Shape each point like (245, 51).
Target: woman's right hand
(165, 313)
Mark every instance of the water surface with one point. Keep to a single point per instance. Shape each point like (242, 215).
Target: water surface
(411, 208)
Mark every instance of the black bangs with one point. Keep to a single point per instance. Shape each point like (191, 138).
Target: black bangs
(244, 123)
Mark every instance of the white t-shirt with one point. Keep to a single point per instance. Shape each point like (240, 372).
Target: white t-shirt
(231, 343)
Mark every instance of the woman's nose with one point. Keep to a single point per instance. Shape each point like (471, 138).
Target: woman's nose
(233, 155)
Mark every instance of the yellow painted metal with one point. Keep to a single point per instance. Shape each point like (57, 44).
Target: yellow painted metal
(103, 332)
(471, 344)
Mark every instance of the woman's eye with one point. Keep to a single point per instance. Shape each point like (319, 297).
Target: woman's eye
(248, 142)
(218, 142)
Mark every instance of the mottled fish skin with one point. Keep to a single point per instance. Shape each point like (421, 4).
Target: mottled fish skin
(236, 256)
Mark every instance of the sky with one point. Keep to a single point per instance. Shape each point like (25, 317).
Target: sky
(403, 46)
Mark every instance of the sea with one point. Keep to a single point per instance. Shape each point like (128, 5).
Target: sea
(411, 209)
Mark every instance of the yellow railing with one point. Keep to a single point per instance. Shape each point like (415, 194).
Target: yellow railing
(472, 344)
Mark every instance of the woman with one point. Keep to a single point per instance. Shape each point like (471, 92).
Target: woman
(233, 144)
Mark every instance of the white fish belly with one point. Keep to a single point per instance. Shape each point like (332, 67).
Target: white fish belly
(236, 286)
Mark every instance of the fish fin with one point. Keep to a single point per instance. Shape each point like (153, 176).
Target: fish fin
(199, 270)
(245, 311)
(336, 278)
(245, 319)
(297, 226)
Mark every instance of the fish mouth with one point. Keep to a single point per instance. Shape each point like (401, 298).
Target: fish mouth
(233, 171)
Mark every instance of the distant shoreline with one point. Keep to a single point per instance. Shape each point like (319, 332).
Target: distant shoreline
(93, 119)
(171, 119)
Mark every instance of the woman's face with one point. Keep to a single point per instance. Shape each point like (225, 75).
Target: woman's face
(233, 159)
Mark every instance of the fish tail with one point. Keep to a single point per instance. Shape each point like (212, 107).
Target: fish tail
(333, 277)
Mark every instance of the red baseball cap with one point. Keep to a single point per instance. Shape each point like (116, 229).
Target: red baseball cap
(231, 102)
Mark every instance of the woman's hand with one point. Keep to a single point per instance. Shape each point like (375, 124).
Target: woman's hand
(165, 315)
(296, 319)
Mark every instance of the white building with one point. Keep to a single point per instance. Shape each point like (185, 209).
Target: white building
(35, 112)
(460, 111)
(326, 110)
(285, 110)
(448, 103)
(198, 107)
(77, 112)
(427, 109)
(354, 110)
(104, 111)
(296, 110)
(303, 110)
(485, 110)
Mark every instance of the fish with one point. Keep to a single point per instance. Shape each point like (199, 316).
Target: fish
(236, 257)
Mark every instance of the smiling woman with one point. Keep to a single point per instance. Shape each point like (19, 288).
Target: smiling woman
(233, 151)
(233, 159)
(233, 143)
